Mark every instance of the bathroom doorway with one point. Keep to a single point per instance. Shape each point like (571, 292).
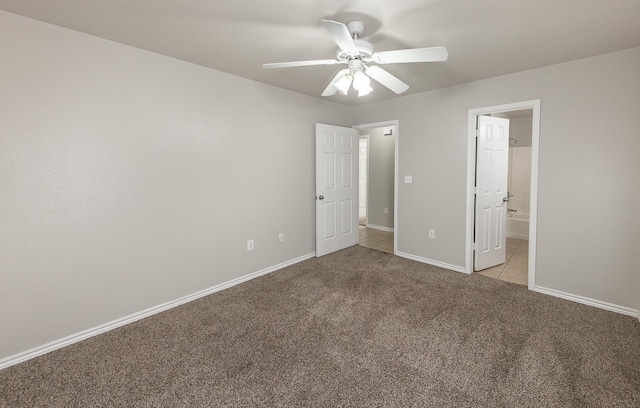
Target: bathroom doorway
(519, 204)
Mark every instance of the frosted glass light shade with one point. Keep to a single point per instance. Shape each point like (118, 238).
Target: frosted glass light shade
(343, 84)
(361, 83)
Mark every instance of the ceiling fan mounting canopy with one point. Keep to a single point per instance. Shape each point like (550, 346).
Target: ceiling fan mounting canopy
(358, 55)
(356, 28)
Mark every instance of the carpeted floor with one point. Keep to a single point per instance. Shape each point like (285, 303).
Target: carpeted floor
(355, 328)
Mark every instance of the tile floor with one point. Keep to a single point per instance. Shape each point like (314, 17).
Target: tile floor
(376, 239)
(515, 269)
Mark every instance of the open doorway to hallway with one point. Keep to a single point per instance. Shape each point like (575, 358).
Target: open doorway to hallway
(377, 169)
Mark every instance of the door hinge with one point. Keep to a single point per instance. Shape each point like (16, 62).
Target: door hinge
(475, 246)
(475, 190)
(477, 133)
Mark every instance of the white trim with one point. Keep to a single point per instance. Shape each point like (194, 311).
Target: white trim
(432, 262)
(378, 227)
(533, 202)
(588, 301)
(395, 123)
(85, 334)
(517, 236)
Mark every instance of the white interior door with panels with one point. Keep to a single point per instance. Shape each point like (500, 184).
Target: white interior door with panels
(336, 188)
(362, 175)
(492, 162)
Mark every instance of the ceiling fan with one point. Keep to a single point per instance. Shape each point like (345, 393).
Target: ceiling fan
(359, 56)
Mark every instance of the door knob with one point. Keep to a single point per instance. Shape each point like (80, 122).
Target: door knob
(320, 197)
(506, 199)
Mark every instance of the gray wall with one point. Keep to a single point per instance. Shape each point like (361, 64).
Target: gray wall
(129, 179)
(381, 174)
(520, 129)
(588, 189)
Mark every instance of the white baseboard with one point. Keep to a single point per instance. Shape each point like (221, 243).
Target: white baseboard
(85, 334)
(517, 236)
(432, 262)
(378, 227)
(588, 301)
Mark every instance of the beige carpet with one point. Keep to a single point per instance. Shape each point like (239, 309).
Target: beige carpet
(355, 328)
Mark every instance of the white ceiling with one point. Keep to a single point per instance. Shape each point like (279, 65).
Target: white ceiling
(485, 38)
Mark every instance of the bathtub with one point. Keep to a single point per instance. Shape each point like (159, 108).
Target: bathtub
(518, 225)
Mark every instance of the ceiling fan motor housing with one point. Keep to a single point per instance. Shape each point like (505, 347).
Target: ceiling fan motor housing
(365, 50)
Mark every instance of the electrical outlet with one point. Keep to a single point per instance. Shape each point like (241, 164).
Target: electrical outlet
(386, 210)
(432, 233)
(408, 179)
(250, 245)
(281, 237)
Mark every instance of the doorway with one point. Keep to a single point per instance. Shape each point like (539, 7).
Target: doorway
(520, 252)
(378, 229)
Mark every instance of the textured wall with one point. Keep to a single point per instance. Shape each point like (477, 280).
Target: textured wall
(129, 179)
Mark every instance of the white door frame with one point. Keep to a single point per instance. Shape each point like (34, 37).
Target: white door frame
(471, 166)
(395, 123)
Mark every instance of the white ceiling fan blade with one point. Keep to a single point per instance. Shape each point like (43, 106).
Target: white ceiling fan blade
(331, 90)
(341, 35)
(386, 79)
(300, 63)
(431, 54)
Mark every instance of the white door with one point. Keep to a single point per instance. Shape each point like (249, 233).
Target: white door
(492, 161)
(362, 178)
(336, 188)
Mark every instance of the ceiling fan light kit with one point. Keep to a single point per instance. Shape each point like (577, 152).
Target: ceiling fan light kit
(359, 55)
